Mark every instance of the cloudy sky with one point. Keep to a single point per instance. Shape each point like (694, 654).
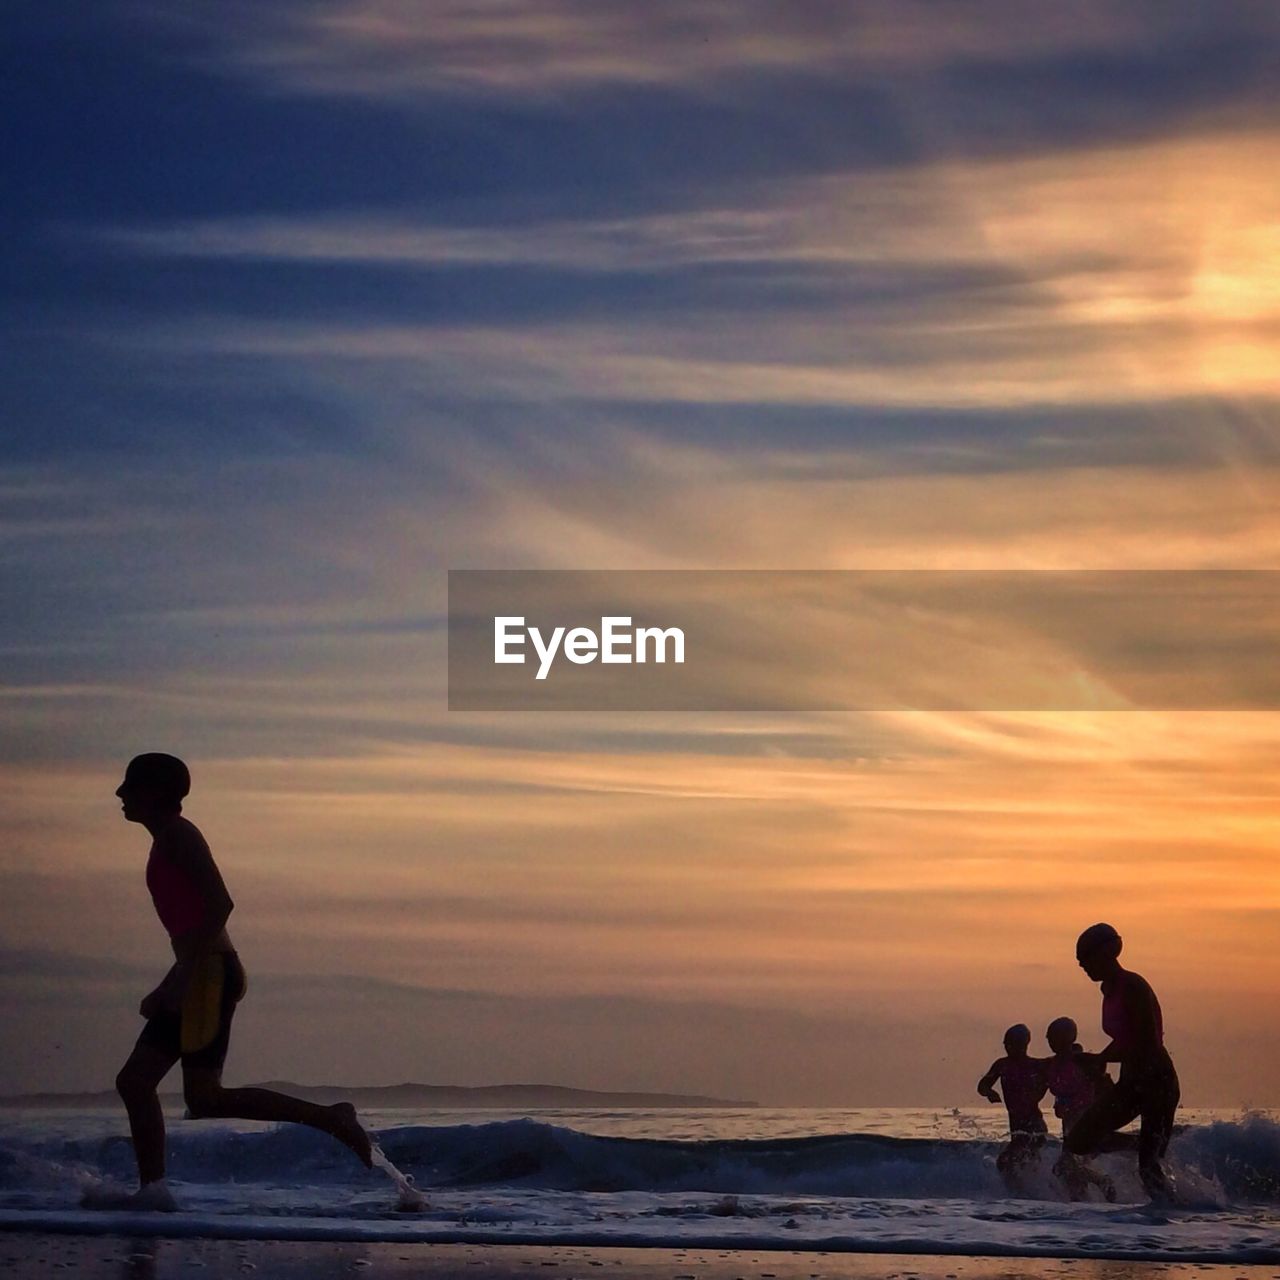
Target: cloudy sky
(308, 302)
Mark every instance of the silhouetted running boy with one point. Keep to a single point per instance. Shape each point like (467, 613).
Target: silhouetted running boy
(1148, 1084)
(189, 1014)
(1076, 1080)
(1024, 1085)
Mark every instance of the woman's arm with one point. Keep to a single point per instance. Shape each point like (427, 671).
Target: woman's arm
(1103, 1056)
(1140, 1010)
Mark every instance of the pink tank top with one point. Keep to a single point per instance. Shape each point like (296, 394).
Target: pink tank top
(1115, 1020)
(1072, 1087)
(177, 901)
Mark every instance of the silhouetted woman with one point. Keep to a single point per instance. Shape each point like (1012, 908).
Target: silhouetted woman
(1148, 1085)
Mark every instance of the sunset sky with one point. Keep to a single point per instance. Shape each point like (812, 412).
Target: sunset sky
(309, 301)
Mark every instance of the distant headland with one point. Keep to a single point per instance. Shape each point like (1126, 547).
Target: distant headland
(504, 1097)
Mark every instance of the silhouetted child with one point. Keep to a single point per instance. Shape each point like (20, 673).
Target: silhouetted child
(188, 1016)
(1024, 1084)
(1076, 1080)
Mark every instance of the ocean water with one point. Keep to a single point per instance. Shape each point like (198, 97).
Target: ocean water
(883, 1180)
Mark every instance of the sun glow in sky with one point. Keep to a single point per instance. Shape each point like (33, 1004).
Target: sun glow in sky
(312, 301)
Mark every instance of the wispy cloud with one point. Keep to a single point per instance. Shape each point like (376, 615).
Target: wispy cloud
(394, 288)
(942, 286)
(380, 46)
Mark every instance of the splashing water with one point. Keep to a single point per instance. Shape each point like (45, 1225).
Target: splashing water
(844, 1180)
(408, 1198)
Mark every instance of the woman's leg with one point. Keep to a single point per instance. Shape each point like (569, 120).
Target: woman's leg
(1159, 1105)
(1112, 1111)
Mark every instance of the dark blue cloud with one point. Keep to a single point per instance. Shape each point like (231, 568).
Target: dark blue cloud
(67, 396)
(106, 124)
(483, 294)
(1101, 97)
(113, 117)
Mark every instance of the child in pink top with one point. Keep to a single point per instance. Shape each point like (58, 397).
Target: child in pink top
(1024, 1086)
(1076, 1080)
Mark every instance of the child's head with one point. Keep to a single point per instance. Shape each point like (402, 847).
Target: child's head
(154, 784)
(1061, 1035)
(1017, 1039)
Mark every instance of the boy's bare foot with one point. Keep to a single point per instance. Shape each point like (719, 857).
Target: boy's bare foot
(348, 1130)
(155, 1197)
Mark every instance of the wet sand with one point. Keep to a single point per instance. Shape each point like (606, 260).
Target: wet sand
(30, 1254)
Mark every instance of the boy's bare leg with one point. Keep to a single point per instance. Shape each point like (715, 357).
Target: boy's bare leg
(1077, 1176)
(206, 1098)
(137, 1083)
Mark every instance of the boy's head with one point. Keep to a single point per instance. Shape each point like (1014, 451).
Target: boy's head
(1061, 1035)
(1017, 1039)
(154, 784)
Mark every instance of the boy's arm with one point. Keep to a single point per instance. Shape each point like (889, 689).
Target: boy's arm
(1041, 1067)
(987, 1083)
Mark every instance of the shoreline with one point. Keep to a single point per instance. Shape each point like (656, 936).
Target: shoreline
(337, 1233)
(127, 1255)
